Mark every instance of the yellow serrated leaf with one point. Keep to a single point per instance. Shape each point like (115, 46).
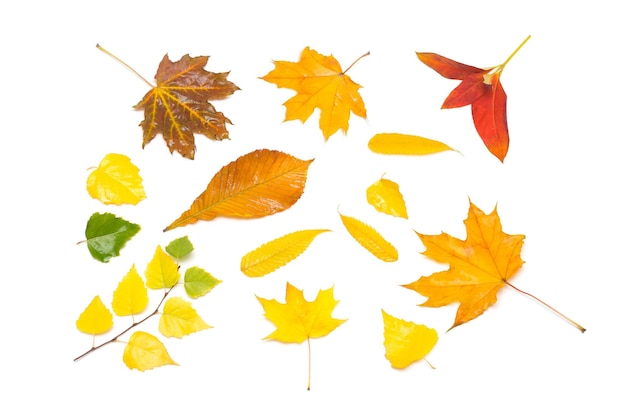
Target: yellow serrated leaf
(116, 181)
(384, 195)
(162, 271)
(144, 352)
(370, 239)
(179, 318)
(406, 342)
(95, 319)
(402, 144)
(131, 295)
(276, 253)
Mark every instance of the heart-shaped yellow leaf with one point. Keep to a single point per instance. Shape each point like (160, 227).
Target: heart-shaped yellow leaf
(406, 342)
(179, 318)
(384, 195)
(116, 181)
(144, 352)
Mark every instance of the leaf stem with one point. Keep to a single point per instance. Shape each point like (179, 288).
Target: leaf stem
(357, 60)
(308, 342)
(578, 326)
(501, 66)
(133, 325)
(124, 64)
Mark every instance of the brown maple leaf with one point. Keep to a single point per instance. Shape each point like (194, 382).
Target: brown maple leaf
(479, 267)
(178, 106)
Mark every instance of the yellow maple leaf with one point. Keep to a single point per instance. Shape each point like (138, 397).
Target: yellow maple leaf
(406, 342)
(384, 195)
(144, 351)
(370, 239)
(320, 83)
(162, 271)
(179, 318)
(278, 252)
(95, 319)
(131, 295)
(116, 181)
(479, 266)
(298, 320)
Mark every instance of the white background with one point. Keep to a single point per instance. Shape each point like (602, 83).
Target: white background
(66, 105)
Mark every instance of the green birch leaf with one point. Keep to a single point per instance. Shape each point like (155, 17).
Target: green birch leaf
(180, 247)
(199, 282)
(106, 235)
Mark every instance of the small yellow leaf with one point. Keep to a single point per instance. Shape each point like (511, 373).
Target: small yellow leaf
(385, 196)
(116, 181)
(144, 352)
(370, 239)
(179, 318)
(131, 295)
(95, 319)
(276, 253)
(402, 144)
(162, 271)
(406, 342)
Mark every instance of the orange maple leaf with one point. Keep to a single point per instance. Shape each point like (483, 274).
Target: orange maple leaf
(479, 266)
(320, 83)
(178, 106)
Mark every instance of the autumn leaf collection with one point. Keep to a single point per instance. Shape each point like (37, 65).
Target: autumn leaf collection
(264, 182)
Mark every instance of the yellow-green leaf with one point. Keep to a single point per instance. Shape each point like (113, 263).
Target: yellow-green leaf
(276, 253)
(402, 144)
(131, 295)
(384, 195)
(199, 282)
(116, 181)
(406, 342)
(179, 318)
(370, 239)
(162, 271)
(144, 352)
(95, 319)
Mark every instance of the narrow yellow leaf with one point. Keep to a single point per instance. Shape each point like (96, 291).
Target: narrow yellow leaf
(370, 239)
(406, 342)
(144, 352)
(179, 318)
(95, 319)
(116, 181)
(402, 144)
(384, 195)
(162, 271)
(131, 295)
(276, 253)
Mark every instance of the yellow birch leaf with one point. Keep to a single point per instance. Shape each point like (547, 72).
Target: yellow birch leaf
(370, 239)
(116, 181)
(276, 253)
(95, 319)
(144, 352)
(402, 144)
(131, 295)
(162, 271)
(179, 318)
(406, 342)
(384, 195)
